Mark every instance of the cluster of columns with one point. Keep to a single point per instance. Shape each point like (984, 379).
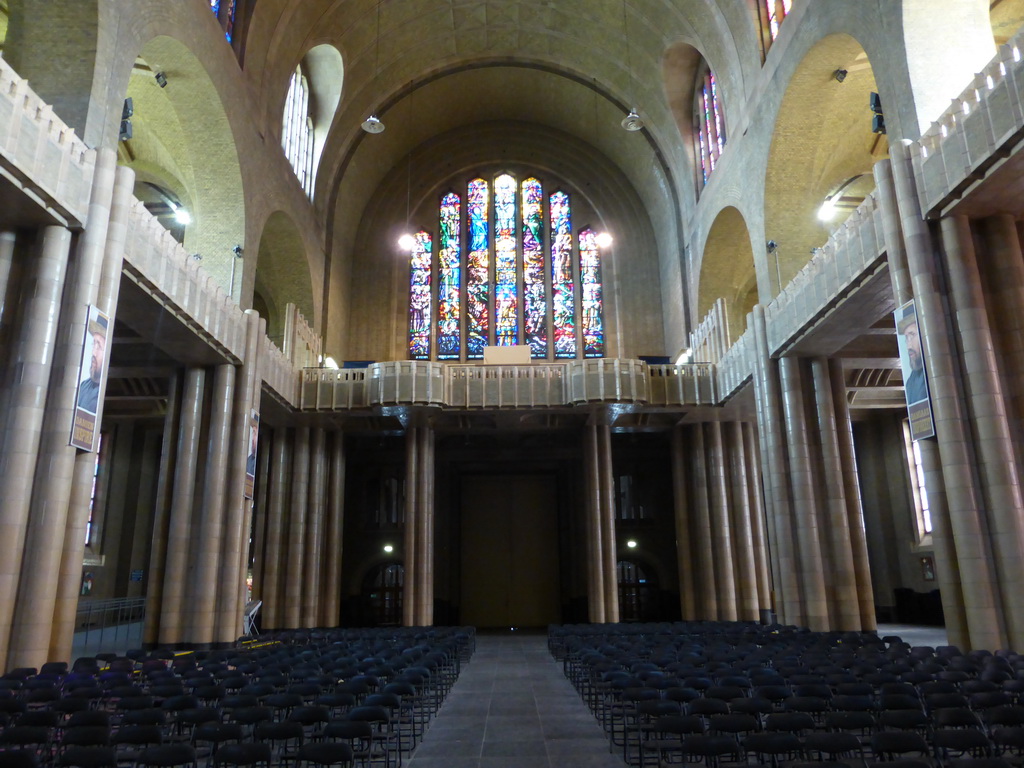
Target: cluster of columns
(720, 537)
(967, 280)
(815, 518)
(48, 278)
(199, 558)
(299, 527)
(602, 557)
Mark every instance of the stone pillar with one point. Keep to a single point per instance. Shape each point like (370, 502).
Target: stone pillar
(277, 498)
(238, 515)
(609, 556)
(741, 525)
(33, 618)
(23, 394)
(703, 549)
(762, 569)
(410, 535)
(425, 529)
(595, 575)
(843, 597)
(973, 553)
(721, 531)
(7, 244)
(315, 523)
(684, 548)
(161, 516)
(295, 565)
(946, 567)
(1000, 479)
(209, 541)
(179, 531)
(65, 611)
(330, 614)
(854, 506)
(805, 504)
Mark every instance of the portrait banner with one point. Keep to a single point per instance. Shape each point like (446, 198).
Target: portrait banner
(915, 376)
(92, 376)
(250, 462)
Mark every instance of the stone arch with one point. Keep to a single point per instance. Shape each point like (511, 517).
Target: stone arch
(326, 72)
(181, 131)
(822, 148)
(727, 271)
(282, 273)
(679, 66)
(1006, 18)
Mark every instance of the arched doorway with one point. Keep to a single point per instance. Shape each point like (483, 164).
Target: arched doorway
(636, 590)
(382, 594)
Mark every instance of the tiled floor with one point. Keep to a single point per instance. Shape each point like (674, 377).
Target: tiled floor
(513, 708)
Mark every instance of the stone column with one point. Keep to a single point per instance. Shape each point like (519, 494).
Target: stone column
(331, 606)
(609, 555)
(410, 535)
(65, 611)
(703, 548)
(721, 531)
(425, 529)
(854, 505)
(751, 466)
(277, 498)
(947, 569)
(295, 565)
(315, 523)
(684, 548)
(805, 504)
(973, 553)
(843, 599)
(179, 531)
(23, 394)
(1000, 479)
(7, 243)
(161, 516)
(33, 618)
(741, 525)
(202, 604)
(595, 575)
(238, 515)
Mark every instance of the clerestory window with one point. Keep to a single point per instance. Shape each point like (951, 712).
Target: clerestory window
(297, 130)
(709, 124)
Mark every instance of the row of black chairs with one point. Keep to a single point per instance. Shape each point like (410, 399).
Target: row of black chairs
(303, 697)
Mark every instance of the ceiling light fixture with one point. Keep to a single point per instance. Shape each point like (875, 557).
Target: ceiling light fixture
(604, 239)
(839, 75)
(632, 121)
(373, 124)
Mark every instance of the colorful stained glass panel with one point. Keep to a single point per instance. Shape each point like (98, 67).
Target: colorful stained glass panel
(535, 305)
(592, 304)
(506, 305)
(477, 266)
(419, 297)
(563, 293)
(449, 278)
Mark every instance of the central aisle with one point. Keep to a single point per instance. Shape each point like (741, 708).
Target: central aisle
(513, 708)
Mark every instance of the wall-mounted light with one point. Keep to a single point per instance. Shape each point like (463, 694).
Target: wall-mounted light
(406, 242)
(388, 548)
(772, 246)
(839, 75)
(237, 250)
(604, 239)
(631, 543)
(878, 120)
(182, 216)
(125, 131)
(161, 79)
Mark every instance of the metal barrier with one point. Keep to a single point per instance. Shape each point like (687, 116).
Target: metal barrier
(105, 625)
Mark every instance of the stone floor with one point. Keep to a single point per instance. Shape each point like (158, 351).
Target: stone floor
(513, 708)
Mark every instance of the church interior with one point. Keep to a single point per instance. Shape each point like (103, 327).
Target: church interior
(406, 313)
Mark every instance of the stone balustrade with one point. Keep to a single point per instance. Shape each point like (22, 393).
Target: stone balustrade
(279, 374)
(736, 366)
(42, 154)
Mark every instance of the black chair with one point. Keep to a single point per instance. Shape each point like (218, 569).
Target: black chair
(894, 745)
(250, 755)
(168, 756)
(959, 743)
(88, 757)
(325, 753)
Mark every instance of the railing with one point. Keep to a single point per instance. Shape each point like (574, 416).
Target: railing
(849, 253)
(278, 373)
(735, 367)
(505, 386)
(328, 389)
(690, 384)
(968, 137)
(42, 152)
(109, 624)
(406, 382)
(158, 263)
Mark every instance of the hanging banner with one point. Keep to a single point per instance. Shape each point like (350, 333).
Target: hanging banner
(91, 378)
(250, 462)
(915, 377)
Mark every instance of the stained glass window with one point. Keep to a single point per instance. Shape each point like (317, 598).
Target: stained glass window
(449, 278)
(776, 11)
(535, 305)
(509, 254)
(591, 318)
(710, 126)
(477, 268)
(506, 320)
(563, 289)
(419, 297)
(228, 22)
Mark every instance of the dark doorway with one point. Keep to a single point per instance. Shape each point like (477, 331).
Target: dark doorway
(382, 592)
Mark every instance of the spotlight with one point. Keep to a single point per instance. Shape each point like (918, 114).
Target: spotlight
(772, 246)
(372, 124)
(632, 121)
(388, 548)
(827, 210)
(604, 239)
(631, 544)
(197, 256)
(237, 250)
(161, 79)
(875, 103)
(406, 242)
(840, 75)
(878, 124)
(182, 217)
(128, 109)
